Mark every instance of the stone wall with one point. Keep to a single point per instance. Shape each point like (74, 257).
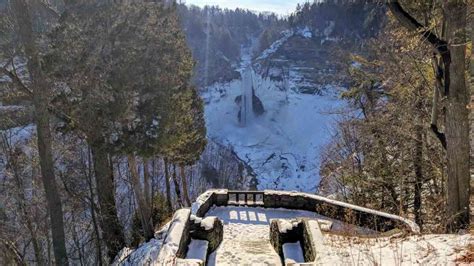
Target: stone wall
(177, 239)
(348, 213)
(184, 227)
(299, 232)
(205, 201)
(187, 224)
(213, 235)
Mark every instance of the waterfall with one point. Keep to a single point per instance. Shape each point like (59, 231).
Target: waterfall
(246, 105)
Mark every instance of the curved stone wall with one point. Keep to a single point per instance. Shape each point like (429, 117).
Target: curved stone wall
(188, 223)
(344, 212)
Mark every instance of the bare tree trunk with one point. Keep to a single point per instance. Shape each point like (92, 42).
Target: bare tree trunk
(435, 108)
(168, 186)
(471, 105)
(185, 185)
(418, 162)
(40, 91)
(143, 207)
(457, 119)
(93, 210)
(452, 53)
(111, 227)
(12, 164)
(176, 188)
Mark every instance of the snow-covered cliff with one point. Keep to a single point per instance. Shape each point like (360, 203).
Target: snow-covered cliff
(283, 144)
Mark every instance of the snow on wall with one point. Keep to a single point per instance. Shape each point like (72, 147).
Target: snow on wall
(411, 250)
(172, 242)
(145, 254)
(411, 225)
(203, 199)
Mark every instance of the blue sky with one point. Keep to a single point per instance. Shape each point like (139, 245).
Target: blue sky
(281, 7)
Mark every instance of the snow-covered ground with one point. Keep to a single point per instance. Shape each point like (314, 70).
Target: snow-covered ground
(293, 252)
(282, 145)
(412, 250)
(247, 235)
(246, 242)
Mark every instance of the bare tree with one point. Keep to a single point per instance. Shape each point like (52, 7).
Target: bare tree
(144, 209)
(40, 93)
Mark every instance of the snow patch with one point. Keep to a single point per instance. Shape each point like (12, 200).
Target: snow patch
(246, 238)
(305, 32)
(282, 145)
(275, 45)
(293, 253)
(412, 250)
(171, 243)
(197, 249)
(145, 254)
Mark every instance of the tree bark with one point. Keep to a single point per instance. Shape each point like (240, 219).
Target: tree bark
(471, 107)
(111, 227)
(143, 206)
(417, 163)
(168, 186)
(176, 188)
(185, 185)
(435, 108)
(40, 90)
(94, 220)
(457, 119)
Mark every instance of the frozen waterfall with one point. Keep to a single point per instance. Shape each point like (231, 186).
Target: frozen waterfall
(246, 104)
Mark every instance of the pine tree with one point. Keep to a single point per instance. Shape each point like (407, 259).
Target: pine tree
(119, 64)
(185, 133)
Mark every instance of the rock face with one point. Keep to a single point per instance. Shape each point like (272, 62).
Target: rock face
(306, 59)
(257, 105)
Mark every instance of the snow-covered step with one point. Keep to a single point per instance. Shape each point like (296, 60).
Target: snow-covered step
(325, 225)
(293, 253)
(197, 250)
(316, 237)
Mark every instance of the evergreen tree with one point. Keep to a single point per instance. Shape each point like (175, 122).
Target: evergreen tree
(185, 133)
(119, 64)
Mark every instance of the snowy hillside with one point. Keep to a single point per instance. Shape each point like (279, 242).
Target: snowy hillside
(283, 144)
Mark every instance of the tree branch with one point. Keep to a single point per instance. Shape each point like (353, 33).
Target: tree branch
(440, 45)
(435, 110)
(412, 24)
(17, 81)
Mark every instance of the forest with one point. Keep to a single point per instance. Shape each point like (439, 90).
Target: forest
(105, 132)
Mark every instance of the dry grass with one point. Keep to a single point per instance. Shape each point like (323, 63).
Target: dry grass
(468, 257)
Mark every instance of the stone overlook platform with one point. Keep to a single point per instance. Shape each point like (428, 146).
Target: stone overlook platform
(268, 227)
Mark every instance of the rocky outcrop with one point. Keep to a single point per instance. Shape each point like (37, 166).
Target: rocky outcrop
(257, 105)
(303, 61)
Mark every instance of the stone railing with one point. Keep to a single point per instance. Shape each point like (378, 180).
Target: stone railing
(297, 232)
(188, 223)
(184, 227)
(344, 212)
